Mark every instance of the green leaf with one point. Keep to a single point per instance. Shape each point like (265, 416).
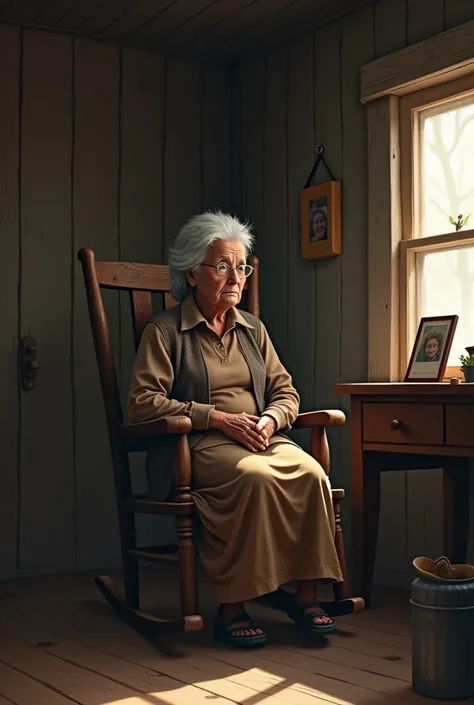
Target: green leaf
(467, 361)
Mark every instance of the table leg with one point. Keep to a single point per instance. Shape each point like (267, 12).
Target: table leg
(456, 508)
(365, 493)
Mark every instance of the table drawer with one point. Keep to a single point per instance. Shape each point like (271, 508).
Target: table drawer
(460, 425)
(387, 422)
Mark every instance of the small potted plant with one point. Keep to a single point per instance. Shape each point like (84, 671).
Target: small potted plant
(460, 221)
(467, 364)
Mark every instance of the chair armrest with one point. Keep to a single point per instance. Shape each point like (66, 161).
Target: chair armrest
(318, 421)
(137, 436)
(161, 427)
(332, 417)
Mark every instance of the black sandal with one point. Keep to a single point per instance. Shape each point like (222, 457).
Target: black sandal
(305, 619)
(224, 632)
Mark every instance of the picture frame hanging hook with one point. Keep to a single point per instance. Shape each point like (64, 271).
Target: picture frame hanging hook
(320, 149)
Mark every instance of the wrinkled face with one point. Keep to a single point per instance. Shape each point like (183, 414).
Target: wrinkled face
(431, 348)
(319, 225)
(220, 292)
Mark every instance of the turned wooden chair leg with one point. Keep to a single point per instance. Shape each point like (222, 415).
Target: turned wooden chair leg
(126, 606)
(185, 531)
(187, 566)
(341, 590)
(344, 602)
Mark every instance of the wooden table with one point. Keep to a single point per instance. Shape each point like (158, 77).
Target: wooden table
(405, 426)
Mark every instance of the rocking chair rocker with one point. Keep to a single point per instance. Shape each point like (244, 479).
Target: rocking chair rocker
(140, 281)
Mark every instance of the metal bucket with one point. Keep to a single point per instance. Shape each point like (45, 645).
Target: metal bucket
(443, 638)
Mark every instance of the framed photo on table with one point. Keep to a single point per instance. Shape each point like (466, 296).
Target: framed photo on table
(431, 350)
(321, 220)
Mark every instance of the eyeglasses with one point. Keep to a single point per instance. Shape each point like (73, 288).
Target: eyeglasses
(223, 269)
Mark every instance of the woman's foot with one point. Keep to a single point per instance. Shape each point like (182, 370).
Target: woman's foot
(320, 618)
(233, 626)
(307, 611)
(229, 612)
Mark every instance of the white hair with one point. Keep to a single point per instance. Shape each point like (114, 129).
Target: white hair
(189, 247)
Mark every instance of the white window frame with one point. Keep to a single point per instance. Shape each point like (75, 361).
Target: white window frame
(388, 86)
(409, 107)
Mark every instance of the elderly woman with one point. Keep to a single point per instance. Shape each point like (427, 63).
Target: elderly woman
(265, 506)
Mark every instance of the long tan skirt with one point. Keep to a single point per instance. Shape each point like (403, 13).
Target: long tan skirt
(266, 519)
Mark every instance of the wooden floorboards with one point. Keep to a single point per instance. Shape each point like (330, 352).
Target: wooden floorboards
(60, 644)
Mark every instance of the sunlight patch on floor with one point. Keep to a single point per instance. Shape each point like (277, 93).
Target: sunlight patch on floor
(267, 685)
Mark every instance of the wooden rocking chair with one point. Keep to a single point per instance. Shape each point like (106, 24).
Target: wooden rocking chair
(141, 280)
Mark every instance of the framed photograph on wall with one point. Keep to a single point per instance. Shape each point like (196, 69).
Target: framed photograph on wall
(430, 352)
(321, 220)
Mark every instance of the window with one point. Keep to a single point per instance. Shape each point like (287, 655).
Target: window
(437, 187)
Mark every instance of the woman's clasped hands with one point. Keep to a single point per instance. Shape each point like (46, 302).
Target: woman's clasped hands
(253, 432)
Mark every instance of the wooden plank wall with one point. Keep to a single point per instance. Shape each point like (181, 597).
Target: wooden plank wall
(317, 312)
(46, 492)
(99, 147)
